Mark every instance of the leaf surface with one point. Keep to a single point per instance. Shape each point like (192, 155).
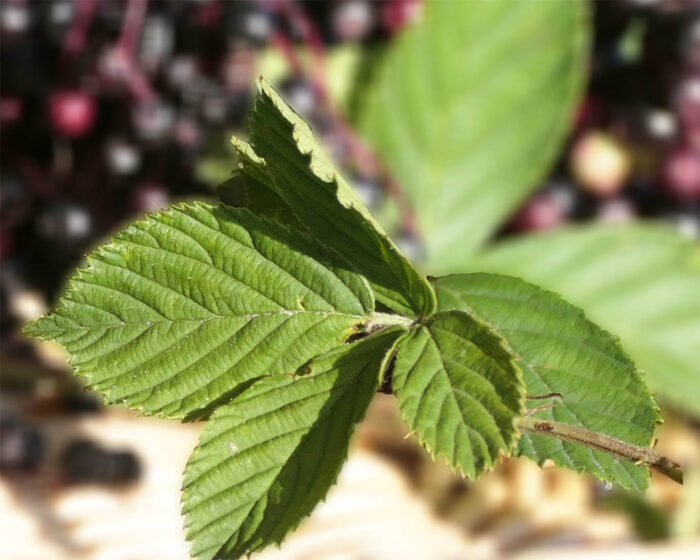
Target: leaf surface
(186, 305)
(640, 282)
(470, 109)
(269, 456)
(459, 390)
(563, 352)
(284, 157)
(247, 191)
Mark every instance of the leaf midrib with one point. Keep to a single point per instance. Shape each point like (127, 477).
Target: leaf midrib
(248, 316)
(454, 389)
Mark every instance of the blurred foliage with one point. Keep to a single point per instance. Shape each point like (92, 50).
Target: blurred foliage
(470, 110)
(641, 282)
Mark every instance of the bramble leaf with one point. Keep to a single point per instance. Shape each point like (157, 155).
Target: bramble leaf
(642, 282)
(245, 191)
(563, 352)
(269, 456)
(184, 306)
(460, 390)
(469, 110)
(284, 157)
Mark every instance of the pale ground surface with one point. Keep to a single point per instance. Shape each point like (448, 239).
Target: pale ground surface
(372, 514)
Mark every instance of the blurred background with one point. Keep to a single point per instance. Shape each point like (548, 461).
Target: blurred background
(113, 108)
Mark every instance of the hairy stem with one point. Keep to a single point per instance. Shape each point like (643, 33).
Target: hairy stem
(607, 444)
(382, 320)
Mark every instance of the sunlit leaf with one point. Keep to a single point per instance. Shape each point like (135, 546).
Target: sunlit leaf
(589, 379)
(270, 455)
(184, 306)
(284, 157)
(460, 390)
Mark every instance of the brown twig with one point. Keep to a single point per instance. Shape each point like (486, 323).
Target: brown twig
(640, 455)
(131, 29)
(77, 32)
(125, 50)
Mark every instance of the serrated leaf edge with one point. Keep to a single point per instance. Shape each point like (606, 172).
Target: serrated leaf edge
(514, 437)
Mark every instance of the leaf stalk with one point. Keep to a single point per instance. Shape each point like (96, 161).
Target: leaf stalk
(380, 321)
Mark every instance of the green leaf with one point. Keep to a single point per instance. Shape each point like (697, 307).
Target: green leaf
(460, 390)
(284, 157)
(269, 456)
(186, 305)
(641, 282)
(471, 109)
(563, 352)
(245, 191)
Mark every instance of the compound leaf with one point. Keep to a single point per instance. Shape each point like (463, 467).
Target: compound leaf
(284, 157)
(269, 456)
(563, 352)
(641, 282)
(460, 390)
(470, 109)
(184, 306)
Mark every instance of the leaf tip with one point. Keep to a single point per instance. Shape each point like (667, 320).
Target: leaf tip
(39, 328)
(262, 85)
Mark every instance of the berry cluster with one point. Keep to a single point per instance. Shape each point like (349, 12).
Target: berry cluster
(635, 147)
(109, 108)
